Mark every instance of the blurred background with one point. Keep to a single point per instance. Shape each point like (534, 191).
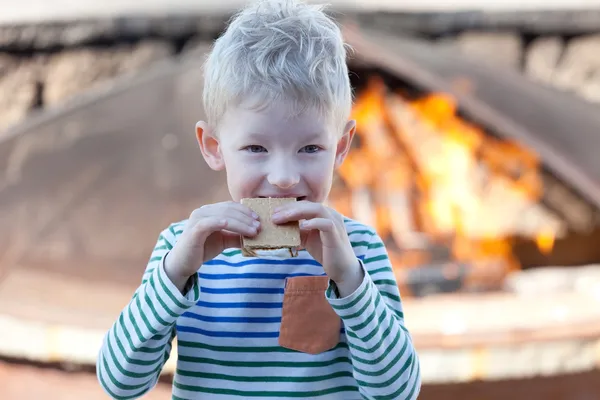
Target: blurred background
(476, 160)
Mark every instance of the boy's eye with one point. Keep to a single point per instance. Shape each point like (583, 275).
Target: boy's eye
(311, 148)
(256, 149)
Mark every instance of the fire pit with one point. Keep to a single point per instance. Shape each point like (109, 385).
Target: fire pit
(481, 202)
(465, 172)
(468, 202)
(450, 198)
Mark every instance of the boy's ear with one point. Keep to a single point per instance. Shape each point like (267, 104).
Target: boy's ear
(209, 146)
(343, 146)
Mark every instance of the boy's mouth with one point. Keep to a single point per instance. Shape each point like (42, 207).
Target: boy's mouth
(298, 198)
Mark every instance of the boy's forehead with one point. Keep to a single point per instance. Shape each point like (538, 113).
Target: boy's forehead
(276, 120)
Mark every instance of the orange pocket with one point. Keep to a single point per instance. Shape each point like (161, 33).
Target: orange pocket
(308, 323)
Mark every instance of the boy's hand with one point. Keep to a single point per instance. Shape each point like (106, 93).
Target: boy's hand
(324, 236)
(209, 230)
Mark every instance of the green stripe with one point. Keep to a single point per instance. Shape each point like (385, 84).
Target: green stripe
(391, 380)
(141, 338)
(371, 335)
(376, 348)
(144, 319)
(390, 282)
(394, 297)
(368, 245)
(160, 300)
(391, 296)
(167, 352)
(366, 322)
(153, 310)
(172, 230)
(265, 364)
(390, 365)
(386, 269)
(167, 243)
(114, 395)
(168, 292)
(418, 372)
(352, 303)
(401, 389)
(196, 286)
(132, 346)
(245, 393)
(381, 257)
(119, 384)
(146, 275)
(359, 312)
(361, 232)
(135, 360)
(129, 361)
(330, 290)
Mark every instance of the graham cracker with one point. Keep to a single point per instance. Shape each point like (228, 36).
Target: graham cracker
(271, 236)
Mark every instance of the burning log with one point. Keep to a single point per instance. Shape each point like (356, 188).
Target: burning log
(467, 191)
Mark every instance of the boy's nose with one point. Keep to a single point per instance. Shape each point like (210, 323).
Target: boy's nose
(283, 178)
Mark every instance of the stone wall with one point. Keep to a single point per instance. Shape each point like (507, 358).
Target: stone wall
(569, 63)
(48, 79)
(45, 65)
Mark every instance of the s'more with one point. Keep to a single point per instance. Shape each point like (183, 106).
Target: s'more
(271, 236)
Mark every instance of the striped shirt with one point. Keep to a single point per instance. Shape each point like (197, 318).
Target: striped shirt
(227, 328)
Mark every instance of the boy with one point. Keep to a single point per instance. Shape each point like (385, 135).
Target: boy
(325, 324)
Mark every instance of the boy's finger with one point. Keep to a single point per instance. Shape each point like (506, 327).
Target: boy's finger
(298, 211)
(208, 225)
(240, 216)
(223, 208)
(235, 226)
(325, 226)
(232, 205)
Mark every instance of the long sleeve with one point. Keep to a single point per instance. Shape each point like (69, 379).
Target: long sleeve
(138, 344)
(385, 362)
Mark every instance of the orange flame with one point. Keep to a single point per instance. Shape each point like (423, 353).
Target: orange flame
(545, 241)
(421, 168)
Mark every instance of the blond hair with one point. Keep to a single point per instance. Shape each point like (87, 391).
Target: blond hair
(277, 51)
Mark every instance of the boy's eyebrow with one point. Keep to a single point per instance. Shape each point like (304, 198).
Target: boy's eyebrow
(308, 137)
(256, 134)
(314, 135)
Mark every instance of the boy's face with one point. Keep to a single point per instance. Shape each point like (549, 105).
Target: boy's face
(267, 154)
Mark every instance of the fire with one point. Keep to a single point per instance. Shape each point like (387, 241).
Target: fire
(545, 241)
(420, 170)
